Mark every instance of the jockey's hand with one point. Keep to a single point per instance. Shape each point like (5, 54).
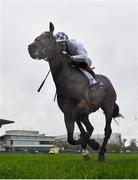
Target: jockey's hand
(68, 57)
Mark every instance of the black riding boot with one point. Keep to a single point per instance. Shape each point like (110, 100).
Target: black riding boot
(90, 70)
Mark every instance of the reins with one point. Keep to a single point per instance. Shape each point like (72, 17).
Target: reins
(40, 87)
(45, 59)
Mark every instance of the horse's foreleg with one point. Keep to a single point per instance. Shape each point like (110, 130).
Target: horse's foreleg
(82, 135)
(80, 114)
(70, 130)
(108, 132)
(86, 135)
(92, 143)
(88, 126)
(77, 115)
(69, 122)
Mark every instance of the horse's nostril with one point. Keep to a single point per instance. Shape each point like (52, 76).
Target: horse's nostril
(32, 47)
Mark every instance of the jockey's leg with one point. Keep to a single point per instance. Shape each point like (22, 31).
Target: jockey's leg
(90, 70)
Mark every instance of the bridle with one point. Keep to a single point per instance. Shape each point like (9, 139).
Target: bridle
(45, 50)
(45, 58)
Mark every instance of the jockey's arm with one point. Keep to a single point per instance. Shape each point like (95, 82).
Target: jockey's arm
(78, 60)
(81, 60)
(80, 55)
(77, 53)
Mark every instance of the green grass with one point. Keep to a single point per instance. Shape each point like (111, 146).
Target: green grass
(41, 166)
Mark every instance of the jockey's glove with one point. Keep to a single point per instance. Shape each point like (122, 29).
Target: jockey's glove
(68, 57)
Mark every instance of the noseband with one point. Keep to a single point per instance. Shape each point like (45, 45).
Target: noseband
(45, 50)
(45, 58)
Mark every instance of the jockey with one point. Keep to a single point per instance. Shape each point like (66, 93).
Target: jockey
(75, 52)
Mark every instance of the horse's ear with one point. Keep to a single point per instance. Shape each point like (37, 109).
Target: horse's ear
(51, 27)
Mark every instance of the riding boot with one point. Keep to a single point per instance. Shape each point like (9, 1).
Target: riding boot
(90, 70)
(92, 73)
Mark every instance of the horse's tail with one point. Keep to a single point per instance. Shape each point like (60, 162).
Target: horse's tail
(116, 112)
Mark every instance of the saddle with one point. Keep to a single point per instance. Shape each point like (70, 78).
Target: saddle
(85, 69)
(90, 70)
(89, 73)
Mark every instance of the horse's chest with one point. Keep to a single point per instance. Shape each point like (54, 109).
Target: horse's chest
(66, 104)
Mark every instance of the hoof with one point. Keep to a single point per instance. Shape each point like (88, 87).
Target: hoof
(94, 145)
(101, 158)
(86, 157)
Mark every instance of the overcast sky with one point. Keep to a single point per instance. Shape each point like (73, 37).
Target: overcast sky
(108, 30)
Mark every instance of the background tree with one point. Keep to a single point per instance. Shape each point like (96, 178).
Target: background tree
(113, 147)
(132, 145)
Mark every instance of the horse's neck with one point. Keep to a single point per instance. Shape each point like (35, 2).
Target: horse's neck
(60, 70)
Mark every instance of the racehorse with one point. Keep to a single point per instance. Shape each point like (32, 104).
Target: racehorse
(74, 96)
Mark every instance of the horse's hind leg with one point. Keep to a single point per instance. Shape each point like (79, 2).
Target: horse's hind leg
(108, 132)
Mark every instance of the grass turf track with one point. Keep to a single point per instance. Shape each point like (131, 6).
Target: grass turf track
(44, 166)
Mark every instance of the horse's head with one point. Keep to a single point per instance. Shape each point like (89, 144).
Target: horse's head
(43, 45)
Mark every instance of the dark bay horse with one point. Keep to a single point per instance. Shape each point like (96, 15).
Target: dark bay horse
(74, 96)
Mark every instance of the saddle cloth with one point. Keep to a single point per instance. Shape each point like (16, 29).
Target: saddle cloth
(88, 75)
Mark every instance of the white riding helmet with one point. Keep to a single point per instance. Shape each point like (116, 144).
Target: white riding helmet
(61, 36)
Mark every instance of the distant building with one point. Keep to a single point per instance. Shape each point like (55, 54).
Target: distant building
(4, 122)
(28, 141)
(64, 137)
(115, 138)
(32, 141)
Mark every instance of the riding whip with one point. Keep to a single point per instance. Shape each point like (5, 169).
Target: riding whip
(55, 96)
(43, 82)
